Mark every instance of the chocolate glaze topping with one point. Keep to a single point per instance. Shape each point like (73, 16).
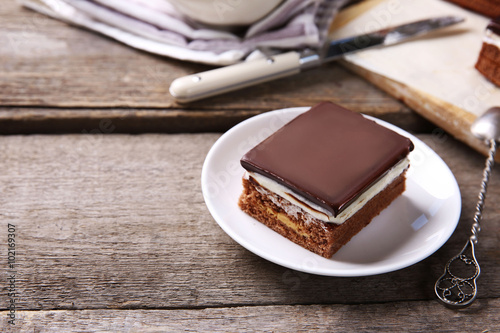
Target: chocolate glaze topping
(494, 26)
(328, 155)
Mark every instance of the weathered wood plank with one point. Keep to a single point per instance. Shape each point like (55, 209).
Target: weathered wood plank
(54, 77)
(48, 63)
(451, 118)
(119, 221)
(389, 317)
(452, 112)
(106, 121)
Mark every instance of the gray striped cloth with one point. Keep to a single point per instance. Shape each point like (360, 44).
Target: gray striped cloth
(155, 26)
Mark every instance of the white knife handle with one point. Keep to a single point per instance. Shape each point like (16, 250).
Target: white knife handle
(197, 86)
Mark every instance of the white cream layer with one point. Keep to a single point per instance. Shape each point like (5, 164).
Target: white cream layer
(491, 38)
(319, 212)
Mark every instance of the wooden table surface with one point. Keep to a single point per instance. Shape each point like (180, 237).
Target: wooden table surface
(100, 177)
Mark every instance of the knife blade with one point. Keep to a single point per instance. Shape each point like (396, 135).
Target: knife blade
(233, 77)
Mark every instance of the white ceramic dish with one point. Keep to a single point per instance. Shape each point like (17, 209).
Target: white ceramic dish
(413, 227)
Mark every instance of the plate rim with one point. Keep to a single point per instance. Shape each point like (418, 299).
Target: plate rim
(367, 271)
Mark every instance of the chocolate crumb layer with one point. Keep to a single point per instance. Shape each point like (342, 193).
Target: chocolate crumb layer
(315, 235)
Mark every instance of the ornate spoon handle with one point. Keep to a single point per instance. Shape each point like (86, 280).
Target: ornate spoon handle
(457, 286)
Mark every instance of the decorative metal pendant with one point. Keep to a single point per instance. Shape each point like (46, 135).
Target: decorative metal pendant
(457, 286)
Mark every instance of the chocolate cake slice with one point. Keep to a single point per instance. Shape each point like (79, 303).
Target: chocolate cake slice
(324, 176)
(488, 62)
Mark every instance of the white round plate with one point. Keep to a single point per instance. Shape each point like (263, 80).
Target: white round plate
(413, 227)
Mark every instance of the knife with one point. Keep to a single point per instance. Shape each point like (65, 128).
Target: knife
(220, 80)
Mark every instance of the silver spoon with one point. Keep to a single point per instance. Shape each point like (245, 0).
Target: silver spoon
(457, 286)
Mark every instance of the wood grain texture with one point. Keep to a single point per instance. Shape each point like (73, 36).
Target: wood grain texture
(137, 120)
(453, 111)
(119, 222)
(112, 232)
(55, 77)
(48, 63)
(445, 115)
(390, 317)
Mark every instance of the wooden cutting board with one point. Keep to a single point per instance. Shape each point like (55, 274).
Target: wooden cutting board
(434, 74)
